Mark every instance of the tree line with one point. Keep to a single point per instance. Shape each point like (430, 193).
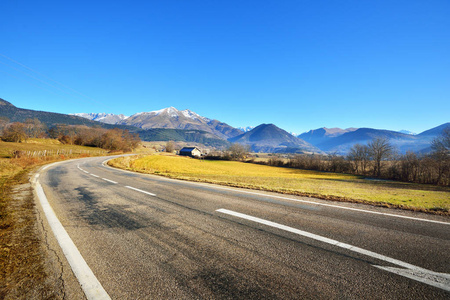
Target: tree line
(108, 139)
(376, 159)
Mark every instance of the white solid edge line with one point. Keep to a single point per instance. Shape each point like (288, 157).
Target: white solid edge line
(104, 163)
(442, 282)
(138, 190)
(89, 283)
(105, 179)
(344, 246)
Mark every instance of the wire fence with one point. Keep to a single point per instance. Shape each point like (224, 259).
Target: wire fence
(65, 152)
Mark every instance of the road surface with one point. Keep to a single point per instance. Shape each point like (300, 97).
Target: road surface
(149, 237)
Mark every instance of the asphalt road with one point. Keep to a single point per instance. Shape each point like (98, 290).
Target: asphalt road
(148, 237)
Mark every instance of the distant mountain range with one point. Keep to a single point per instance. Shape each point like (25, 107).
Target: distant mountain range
(168, 118)
(269, 138)
(263, 138)
(341, 140)
(172, 124)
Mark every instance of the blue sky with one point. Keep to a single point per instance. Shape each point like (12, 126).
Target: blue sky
(298, 64)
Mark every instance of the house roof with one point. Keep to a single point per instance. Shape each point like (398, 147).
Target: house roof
(189, 148)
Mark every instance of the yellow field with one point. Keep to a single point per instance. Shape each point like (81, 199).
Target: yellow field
(36, 152)
(35, 145)
(293, 181)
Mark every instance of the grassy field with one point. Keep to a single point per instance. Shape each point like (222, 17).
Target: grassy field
(38, 151)
(322, 185)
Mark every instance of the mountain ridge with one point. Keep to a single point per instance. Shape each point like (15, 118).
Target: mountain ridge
(102, 117)
(434, 131)
(173, 118)
(320, 135)
(270, 138)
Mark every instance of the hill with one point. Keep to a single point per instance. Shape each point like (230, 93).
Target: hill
(270, 138)
(15, 114)
(169, 118)
(433, 132)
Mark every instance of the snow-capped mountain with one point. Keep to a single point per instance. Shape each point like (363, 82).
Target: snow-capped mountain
(102, 117)
(407, 132)
(246, 129)
(173, 113)
(170, 118)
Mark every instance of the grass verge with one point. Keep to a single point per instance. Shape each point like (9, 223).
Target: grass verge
(24, 266)
(323, 185)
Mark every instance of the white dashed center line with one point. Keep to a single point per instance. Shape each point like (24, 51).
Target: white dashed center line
(138, 190)
(105, 179)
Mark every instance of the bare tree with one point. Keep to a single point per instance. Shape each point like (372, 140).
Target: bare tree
(360, 156)
(442, 143)
(337, 163)
(409, 166)
(380, 149)
(3, 122)
(112, 139)
(131, 140)
(14, 132)
(238, 151)
(441, 154)
(66, 134)
(34, 128)
(170, 146)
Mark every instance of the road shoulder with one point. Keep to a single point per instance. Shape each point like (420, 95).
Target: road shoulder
(32, 267)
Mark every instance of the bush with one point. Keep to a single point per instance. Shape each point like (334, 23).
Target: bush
(15, 133)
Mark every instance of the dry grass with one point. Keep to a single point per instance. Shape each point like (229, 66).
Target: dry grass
(323, 185)
(22, 263)
(36, 145)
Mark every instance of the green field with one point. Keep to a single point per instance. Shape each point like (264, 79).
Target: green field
(322, 185)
